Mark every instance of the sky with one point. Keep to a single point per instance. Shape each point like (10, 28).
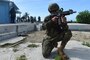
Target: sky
(40, 7)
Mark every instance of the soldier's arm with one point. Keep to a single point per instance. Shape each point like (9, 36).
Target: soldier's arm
(64, 23)
(46, 22)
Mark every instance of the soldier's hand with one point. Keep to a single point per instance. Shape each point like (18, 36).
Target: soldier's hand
(54, 19)
(64, 19)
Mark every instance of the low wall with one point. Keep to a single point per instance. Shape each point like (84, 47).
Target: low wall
(79, 27)
(12, 30)
(73, 27)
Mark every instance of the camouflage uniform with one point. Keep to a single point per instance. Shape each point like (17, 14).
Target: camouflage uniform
(53, 35)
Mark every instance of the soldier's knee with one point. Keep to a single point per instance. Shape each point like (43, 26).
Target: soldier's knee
(45, 51)
(68, 34)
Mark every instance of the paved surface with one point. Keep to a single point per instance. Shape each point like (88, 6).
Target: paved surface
(74, 49)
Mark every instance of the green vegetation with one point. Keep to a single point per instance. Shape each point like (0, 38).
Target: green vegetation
(83, 17)
(86, 44)
(32, 45)
(57, 57)
(22, 57)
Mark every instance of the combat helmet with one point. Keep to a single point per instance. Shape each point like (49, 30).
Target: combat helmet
(53, 7)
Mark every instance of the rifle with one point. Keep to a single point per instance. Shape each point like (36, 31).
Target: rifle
(63, 13)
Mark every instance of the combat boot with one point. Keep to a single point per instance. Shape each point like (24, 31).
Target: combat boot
(62, 54)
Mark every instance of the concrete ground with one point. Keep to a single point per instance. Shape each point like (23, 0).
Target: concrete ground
(76, 35)
(74, 49)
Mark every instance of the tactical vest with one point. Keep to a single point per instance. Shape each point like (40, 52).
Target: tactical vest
(52, 28)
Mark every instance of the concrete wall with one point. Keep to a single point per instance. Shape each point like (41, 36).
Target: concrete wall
(79, 27)
(12, 30)
(74, 27)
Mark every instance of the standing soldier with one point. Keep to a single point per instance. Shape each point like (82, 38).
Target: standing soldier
(12, 15)
(55, 33)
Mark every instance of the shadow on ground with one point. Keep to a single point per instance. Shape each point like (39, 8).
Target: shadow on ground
(76, 53)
